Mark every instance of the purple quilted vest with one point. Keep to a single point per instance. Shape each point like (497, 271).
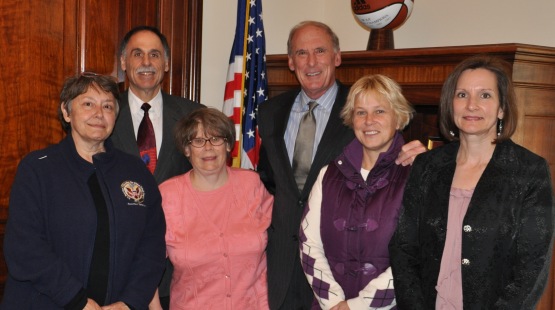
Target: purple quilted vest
(358, 218)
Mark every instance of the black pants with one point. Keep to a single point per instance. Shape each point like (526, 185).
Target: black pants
(164, 287)
(299, 294)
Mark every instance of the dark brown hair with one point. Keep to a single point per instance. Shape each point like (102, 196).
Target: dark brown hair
(156, 31)
(80, 84)
(507, 99)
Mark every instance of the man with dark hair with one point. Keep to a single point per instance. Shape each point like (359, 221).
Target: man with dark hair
(144, 56)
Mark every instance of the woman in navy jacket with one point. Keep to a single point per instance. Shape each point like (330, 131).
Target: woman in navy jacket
(476, 227)
(86, 227)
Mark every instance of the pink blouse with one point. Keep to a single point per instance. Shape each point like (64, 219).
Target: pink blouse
(449, 282)
(216, 241)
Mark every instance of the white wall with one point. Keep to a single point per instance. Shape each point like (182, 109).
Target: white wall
(432, 23)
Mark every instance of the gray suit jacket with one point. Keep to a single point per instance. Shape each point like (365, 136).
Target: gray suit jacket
(171, 161)
(277, 174)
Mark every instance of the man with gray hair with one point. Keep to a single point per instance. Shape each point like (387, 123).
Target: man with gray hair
(289, 172)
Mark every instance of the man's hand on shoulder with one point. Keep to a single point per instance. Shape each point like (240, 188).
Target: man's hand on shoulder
(409, 151)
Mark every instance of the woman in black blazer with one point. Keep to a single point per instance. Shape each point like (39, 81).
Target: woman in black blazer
(476, 227)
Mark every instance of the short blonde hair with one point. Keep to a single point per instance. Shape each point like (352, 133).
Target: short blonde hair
(388, 89)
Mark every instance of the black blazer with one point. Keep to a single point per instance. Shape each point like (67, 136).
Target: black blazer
(276, 173)
(171, 161)
(506, 238)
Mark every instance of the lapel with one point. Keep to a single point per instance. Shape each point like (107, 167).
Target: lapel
(497, 172)
(123, 135)
(280, 119)
(333, 140)
(170, 116)
(441, 188)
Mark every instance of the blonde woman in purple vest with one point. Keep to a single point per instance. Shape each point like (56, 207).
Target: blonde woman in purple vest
(354, 205)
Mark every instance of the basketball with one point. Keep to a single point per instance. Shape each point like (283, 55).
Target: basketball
(382, 14)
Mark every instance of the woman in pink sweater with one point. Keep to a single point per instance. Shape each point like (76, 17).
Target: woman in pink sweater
(216, 220)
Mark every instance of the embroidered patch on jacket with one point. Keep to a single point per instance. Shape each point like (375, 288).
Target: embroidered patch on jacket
(133, 191)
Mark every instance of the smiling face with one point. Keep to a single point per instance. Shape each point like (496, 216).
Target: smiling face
(209, 159)
(374, 124)
(314, 60)
(145, 63)
(476, 105)
(92, 116)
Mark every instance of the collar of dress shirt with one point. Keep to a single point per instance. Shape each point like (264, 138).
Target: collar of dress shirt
(325, 102)
(135, 104)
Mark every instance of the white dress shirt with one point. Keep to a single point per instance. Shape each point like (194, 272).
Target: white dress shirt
(155, 114)
(321, 113)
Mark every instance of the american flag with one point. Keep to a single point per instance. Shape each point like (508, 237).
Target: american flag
(246, 85)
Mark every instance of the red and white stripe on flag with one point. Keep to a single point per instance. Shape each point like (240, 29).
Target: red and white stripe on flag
(233, 100)
(246, 85)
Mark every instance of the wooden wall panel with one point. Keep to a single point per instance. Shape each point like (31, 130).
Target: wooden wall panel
(98, 37)
(30, 75)
(543, 141)
(29, 83)
(43, 42)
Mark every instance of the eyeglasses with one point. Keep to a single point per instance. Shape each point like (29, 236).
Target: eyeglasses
(96, 77)
(89, 74)
(200, 142)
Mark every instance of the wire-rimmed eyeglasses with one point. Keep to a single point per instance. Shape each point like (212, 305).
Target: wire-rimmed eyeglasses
(200, 142)
(89, 74)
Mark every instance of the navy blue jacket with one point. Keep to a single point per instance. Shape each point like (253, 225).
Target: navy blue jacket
(51, 228)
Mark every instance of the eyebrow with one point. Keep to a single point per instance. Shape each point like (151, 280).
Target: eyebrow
(307, 49)
(101, 101)
(484, 88)
(150, 51)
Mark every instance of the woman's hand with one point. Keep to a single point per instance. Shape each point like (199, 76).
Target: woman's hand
(91, 305)
(155, 303)
(120, 305)
(341, 306)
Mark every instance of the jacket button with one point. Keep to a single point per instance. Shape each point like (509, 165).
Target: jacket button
(301, 203)
(295, 238)
(466, 262)
(467, 228)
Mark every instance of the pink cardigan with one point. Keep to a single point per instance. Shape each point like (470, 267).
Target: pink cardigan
(216, 241)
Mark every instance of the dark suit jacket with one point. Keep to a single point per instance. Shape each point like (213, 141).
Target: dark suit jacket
(276, 173)
(506, 236)
(171, 161)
